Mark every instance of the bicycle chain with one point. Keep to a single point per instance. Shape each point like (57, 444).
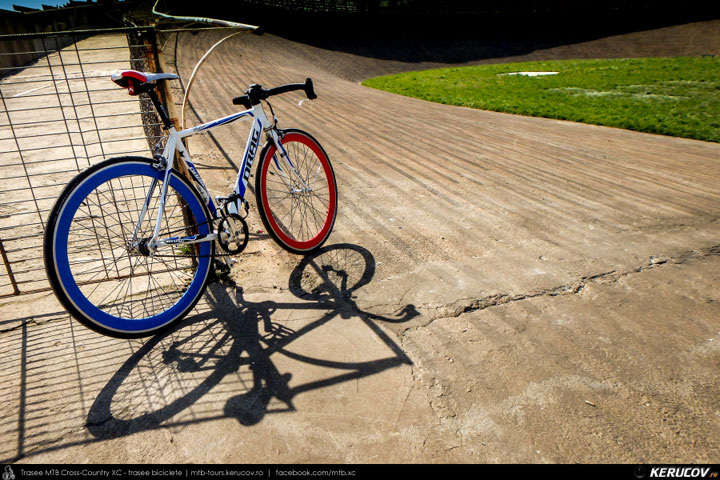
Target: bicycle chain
(215, 255)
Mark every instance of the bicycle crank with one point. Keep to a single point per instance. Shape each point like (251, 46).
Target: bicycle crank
(233, 234)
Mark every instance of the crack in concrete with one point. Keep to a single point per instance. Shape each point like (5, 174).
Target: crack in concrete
(467, 305)
(436, 390)
(55, 317)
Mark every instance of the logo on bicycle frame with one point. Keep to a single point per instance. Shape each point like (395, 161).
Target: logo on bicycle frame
(251, 150)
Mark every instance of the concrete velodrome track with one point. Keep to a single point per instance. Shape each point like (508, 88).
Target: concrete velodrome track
(497, 289)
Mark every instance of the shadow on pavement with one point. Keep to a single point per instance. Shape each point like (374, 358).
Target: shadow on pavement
(217, 363)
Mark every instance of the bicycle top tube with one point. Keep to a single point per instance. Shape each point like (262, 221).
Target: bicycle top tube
(220, 121)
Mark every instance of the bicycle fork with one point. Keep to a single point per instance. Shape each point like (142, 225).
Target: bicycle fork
(286, 178)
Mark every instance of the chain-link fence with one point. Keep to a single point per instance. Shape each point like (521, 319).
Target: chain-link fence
(59, 114)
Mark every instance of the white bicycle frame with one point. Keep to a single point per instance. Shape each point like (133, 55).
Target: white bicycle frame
(174, 144)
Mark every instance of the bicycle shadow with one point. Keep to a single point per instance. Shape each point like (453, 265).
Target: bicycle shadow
(217, 363)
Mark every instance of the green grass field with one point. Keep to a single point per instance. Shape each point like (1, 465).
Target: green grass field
(671, 96)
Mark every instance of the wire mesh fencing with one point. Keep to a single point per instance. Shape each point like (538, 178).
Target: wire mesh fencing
(59, 114)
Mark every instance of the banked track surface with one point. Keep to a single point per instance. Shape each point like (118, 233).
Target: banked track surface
(540, 255)
(434, 185)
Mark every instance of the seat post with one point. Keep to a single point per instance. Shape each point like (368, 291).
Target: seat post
(160, 109)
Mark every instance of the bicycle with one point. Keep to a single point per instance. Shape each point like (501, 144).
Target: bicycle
(130, 242)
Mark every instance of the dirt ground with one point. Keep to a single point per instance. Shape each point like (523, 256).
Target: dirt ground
(497, 289)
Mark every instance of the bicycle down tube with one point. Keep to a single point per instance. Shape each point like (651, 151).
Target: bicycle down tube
(174, 144)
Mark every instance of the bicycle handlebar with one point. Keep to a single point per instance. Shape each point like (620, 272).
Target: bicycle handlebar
(256, 93)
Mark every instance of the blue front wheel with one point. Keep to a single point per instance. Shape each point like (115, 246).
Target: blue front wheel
(96, 254)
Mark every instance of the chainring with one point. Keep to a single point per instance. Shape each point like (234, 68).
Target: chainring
(233, 234)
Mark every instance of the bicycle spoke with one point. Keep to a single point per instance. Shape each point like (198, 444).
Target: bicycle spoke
(117, 279)
(299, 200)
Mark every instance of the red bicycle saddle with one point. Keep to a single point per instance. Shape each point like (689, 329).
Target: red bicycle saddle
(132, 79)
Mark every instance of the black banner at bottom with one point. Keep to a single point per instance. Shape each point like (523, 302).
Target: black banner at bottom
(350, 471)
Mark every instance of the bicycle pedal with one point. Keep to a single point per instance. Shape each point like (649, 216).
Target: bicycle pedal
(221, 267)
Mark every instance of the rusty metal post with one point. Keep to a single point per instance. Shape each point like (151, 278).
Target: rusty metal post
(155, 64)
